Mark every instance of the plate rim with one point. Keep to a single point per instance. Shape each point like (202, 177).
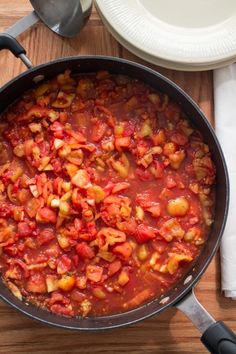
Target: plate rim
(168, 64)
(213, 61)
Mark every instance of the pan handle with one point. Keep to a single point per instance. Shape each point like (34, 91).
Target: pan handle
(9, 42)
(216, 336)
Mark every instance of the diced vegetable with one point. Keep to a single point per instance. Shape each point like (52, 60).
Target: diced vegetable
(139, 213)
(178, 206)
(36, 283)
(67, 282)
(86, 307)
(96, 193)
(154, 210)
(139, 298)
(19, 150)
(99, 293)
(81, 282)
(58, 143)
(108, 236)
(94, 273)
(120, 187)
(63, 241)
(52, 283)
(15, 290)
(64, 208)
(85, 251)
(121, 166)
(122, 142)
(144, 233)
(46, 215)
(114, 267)
(176, 159)
(35, 127)
(174, 261)
(45, 236)
(123, 251)
(123, 278)
(142, 253)
(106, 255)
(81, 179)
(169, 148)
(170, 229)
(64, 264)
(63, 100)
(159, 138)
(146, 129)
(193, 234)
(98, 131)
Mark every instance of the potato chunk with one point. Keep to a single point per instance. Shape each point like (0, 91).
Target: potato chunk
(178, 206)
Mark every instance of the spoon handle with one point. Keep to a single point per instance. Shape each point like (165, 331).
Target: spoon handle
(23, 24)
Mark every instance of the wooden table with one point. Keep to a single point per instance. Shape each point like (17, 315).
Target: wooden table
(168, 333)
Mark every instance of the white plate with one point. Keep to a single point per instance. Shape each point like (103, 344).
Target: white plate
(161, 62)
(179, 34)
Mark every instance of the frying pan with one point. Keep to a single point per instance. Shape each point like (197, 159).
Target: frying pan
(216, 336)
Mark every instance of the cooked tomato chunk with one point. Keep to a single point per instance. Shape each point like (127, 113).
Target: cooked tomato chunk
(85, 251)
(144, 233)
(36, 283)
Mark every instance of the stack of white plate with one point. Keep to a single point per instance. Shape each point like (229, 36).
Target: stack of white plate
(189, 35)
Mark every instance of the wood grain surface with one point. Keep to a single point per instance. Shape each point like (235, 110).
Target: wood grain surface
(170, 332)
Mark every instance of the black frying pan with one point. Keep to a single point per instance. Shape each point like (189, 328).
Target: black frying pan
(216, 336)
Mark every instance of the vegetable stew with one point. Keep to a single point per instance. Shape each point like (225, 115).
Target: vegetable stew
(106, 194)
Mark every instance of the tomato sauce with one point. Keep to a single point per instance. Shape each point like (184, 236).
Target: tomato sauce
(106, 194)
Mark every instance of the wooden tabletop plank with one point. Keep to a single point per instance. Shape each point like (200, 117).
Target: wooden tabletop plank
(168, 333)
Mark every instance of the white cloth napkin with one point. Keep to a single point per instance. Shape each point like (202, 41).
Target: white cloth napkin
(225, 126)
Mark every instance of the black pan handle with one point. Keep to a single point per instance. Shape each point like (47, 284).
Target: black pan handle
(9, 42)
(216, 336)
(219, 339)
